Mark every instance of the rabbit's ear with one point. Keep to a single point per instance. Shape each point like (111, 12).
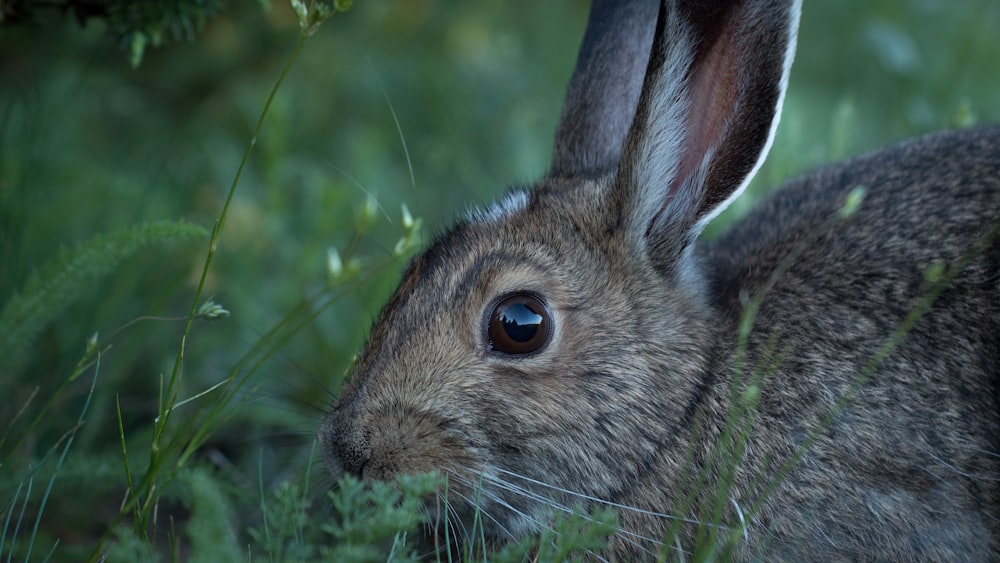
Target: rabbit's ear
(706, 116)
(602, 94)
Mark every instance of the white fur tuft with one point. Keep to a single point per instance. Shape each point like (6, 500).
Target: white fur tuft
(512, 203)
(660, 153)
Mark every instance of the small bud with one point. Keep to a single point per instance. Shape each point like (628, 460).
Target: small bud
(935, 272)
(212, 311)
(400, 247)
(353, 267)
(744, 296)
(92, 343)
(334, 265)
(852, 202)
(301, 11)
(365, 217)
(964, 117)
(321, 13)
(137, 48)
(407, 218)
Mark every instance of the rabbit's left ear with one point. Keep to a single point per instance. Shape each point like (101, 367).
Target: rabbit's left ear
(604, 90)
(707, 114)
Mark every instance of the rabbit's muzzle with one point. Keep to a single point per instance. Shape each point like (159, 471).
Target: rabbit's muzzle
(345, 447)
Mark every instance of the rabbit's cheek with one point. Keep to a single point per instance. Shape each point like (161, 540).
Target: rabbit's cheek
(382, 444)
(414, 444)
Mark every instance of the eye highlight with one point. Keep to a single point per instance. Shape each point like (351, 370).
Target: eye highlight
(519, 324)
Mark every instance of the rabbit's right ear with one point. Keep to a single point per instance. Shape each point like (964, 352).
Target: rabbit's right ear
(706, 116)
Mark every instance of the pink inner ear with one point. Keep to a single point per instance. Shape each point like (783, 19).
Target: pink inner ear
(713, 91)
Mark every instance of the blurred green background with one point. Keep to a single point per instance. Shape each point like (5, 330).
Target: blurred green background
(89, 145)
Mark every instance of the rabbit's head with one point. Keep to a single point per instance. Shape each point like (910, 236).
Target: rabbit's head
(552, 347)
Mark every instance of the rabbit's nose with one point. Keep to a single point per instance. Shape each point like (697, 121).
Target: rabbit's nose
(345, 448)
(353, 454)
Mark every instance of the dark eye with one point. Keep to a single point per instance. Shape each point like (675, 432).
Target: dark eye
(519, 324)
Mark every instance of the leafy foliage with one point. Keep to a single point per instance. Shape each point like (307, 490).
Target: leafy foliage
(575, 536)
(48, 292)
(373, 521)
(135, 24)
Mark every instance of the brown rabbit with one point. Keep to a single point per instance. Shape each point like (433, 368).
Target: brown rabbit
(831, 376)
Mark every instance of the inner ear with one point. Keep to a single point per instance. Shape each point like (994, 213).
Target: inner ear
(709, 107)
(714, 88)
(750, 102)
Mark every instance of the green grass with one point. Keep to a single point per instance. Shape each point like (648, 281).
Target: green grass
(138, 424)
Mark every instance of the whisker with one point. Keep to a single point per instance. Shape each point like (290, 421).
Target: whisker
(399, 128)
(957, 470)
(986, 452)
(357, 183)
(490, 516)
(952, 484)
(680, 550)
(454, 523)
(637, 540)
(457, 523)
(289, 392)
(615, 504)
(457, 519)
(281, 404)
(302, 372)
(506, 485)
(739, 514)
(495, 498)
(450, 531)
(625, 535)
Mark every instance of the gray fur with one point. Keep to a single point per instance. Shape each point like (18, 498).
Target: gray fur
(632, 393)
(604, 90)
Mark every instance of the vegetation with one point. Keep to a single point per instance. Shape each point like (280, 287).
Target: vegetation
(169, 338)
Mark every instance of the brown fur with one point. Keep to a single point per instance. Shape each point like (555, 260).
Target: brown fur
(630, 397)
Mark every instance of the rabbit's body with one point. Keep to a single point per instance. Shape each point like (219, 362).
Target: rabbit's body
(910, 465)
(576, 344)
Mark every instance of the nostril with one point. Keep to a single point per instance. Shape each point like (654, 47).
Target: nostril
(345, 449)
(354, 454)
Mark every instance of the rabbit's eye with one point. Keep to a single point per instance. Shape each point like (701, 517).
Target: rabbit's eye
(519, 324)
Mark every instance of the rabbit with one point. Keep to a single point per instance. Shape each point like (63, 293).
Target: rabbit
(578, 344)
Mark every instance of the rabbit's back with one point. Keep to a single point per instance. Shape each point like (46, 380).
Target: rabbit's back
(915, 454)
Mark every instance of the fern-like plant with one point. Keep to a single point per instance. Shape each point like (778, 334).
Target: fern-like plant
(63, 279)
